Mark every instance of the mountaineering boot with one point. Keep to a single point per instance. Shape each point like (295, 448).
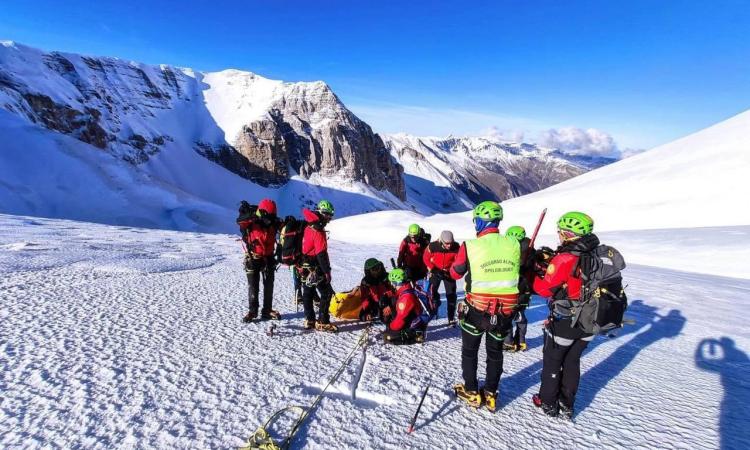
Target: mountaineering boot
(270, 315)
(309, 325)
(327, 327)
(546, 409)
(566, 412)
(509, 347)
(452, 323)
(472, 398)
(490, 400)
(251, 315)
(419, 338)
(522, 347)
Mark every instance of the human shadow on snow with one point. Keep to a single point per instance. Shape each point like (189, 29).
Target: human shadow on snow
(724, 358)
(596, 378)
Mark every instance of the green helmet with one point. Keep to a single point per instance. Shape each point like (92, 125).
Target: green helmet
(516, 232)
(371, 263)
(414, 229)
(488, 211)
(325, 207)
(576, 222)
(397, 276)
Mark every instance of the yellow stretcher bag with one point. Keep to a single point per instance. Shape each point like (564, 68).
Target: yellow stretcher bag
(346, 305)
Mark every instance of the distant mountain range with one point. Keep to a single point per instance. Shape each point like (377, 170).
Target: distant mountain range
(172, 128)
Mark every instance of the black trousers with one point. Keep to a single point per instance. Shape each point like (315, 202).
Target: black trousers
(561, 371)
(450, 292)
(325, 291)
(519, 335)
(474, 325)
(407, 336)
(256, 269)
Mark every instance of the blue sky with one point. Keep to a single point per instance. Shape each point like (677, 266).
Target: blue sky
(645, 72)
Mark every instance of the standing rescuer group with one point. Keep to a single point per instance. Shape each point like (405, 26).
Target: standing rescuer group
(501, 272)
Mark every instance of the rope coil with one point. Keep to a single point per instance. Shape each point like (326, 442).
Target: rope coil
(261, 439)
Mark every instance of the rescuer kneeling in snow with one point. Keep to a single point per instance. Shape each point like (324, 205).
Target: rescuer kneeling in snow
(410, 321)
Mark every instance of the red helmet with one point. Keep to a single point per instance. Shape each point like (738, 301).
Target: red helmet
(268, 206)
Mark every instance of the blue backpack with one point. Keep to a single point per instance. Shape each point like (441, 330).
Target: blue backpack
(429, 309)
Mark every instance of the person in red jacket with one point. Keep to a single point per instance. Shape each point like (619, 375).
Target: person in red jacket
(411, 252)
(439, 257)
(409, 324)
(373, 287)
(259, 234)
(315, 271)
(564, 343)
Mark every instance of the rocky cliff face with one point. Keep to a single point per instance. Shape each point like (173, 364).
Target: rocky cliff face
(136, 111)
(304, 129)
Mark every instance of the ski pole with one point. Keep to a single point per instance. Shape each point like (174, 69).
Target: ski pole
(414, 420)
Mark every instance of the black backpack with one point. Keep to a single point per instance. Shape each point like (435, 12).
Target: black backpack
(603, 302)
(290, 242)
(246, 213)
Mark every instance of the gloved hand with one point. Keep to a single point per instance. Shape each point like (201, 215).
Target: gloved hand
(364, 316)
(542, 258)
(544, 254)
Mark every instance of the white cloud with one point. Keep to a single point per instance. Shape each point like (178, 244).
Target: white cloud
(504, 135)
(387, 117)
(577, 141)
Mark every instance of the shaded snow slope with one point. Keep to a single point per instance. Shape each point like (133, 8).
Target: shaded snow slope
(48, 174)
(116, 337)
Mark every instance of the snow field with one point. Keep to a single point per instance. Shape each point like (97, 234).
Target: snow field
(131, 338)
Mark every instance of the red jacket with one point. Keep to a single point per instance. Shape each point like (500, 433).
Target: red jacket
(410, 254)
(315, 242)
(260, 237)
(559, 274)
(371, 293)
(438, 257)
(407, 308)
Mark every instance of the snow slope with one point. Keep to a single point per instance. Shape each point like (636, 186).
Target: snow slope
(118, 337)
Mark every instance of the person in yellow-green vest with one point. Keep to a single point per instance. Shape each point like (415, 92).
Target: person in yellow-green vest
(491, 263)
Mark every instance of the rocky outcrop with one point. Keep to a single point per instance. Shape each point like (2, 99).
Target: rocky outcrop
(54, 116)
(309, 131)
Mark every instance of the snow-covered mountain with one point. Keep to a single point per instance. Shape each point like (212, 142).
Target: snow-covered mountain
(198, 142)
(454, 173)
(294, 142)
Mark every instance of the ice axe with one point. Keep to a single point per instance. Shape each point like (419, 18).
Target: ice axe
(536, 231)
